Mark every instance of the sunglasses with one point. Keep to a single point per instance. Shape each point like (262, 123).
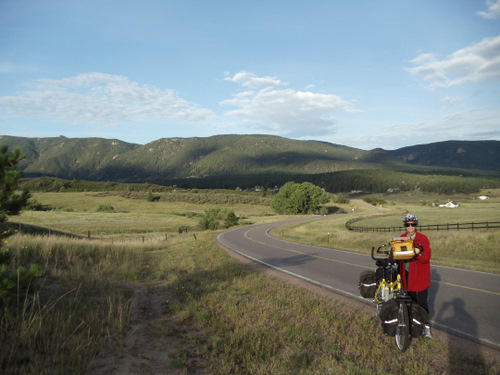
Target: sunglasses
(410, 225)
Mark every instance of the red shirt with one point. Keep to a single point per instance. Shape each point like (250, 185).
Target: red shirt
(419, 271)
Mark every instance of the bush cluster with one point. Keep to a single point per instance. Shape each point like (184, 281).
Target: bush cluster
(216, 218)
(374, 201)
(105, 208)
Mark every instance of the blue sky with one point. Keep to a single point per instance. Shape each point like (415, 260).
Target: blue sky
(364, 73)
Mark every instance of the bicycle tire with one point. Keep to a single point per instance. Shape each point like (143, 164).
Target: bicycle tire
(403, 327)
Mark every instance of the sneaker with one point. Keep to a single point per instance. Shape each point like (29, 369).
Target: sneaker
(427, 332)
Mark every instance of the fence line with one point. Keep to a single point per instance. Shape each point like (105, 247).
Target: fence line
(22, 228)
(456, 226)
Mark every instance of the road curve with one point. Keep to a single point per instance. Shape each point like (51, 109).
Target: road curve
(462, 302)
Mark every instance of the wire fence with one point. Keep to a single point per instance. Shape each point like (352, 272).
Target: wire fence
(21, 228)
(456, 226)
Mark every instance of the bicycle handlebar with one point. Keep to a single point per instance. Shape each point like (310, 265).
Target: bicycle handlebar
(386, 252)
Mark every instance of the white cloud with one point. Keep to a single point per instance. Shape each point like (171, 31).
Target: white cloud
(250, 80)
(451, 99)
(285, 111)
(474, 124)
(97, 98)
(477, 63)
(493, 11)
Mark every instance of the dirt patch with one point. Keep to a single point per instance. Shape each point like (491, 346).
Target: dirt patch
(147, 348)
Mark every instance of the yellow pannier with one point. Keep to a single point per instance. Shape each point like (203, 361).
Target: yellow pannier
(402, 248)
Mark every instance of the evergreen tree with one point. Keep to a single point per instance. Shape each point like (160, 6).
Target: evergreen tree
(11, 202)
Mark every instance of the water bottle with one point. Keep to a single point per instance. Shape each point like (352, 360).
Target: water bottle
(385, 293)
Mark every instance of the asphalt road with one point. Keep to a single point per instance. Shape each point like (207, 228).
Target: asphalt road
(465, 303)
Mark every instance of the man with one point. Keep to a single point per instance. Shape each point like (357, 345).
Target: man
(416, 272)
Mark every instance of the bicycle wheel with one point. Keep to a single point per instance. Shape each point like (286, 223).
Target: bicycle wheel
(403, 328)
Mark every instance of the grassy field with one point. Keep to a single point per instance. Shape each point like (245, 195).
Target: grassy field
(78, 213)
(211, 315)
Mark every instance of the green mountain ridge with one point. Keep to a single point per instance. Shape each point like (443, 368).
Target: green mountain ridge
(481, 155)
(167, 159)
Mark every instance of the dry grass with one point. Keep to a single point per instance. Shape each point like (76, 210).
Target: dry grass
(223, 317)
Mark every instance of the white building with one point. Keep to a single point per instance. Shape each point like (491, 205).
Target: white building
(450, 204)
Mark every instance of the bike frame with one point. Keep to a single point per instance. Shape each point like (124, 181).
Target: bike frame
(398, 294)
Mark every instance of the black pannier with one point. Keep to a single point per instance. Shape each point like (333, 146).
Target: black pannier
(367, 284)
(419, 317)
(389, 316)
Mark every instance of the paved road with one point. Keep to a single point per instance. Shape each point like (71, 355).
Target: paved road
(465, 303)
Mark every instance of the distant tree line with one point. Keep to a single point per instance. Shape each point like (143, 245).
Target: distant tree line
(382, 181)
(52, 184)
(368, 181)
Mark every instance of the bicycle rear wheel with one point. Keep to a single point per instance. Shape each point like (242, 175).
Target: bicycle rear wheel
(403, 328)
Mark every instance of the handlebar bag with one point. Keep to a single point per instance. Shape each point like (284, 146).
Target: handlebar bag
(402, 248)
(368, 284)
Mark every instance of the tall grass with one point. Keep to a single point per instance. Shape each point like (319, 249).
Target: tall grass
(237, 321)
(222, 317)
(81, 306)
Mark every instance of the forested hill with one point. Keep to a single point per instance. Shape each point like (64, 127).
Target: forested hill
(480, 155)
(234, 155)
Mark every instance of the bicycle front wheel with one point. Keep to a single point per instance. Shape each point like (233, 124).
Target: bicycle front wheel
(403, 328)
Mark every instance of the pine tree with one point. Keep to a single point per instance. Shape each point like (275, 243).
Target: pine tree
(11, 202)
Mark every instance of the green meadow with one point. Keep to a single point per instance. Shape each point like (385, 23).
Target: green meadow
(142, 297)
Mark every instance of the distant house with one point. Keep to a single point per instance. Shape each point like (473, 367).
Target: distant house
(393, 190)
(450, 204)
(483, 197)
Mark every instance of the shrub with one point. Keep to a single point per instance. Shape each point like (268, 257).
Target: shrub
(374, 201)
(105, 208)
(341, 199)
(212, 218)
(23, 278)
(231, 219)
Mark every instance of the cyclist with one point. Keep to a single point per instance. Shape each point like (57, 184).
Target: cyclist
(416, 272)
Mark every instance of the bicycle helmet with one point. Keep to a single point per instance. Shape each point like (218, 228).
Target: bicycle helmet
(410, 217)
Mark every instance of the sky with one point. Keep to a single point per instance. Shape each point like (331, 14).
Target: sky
(359, 73)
